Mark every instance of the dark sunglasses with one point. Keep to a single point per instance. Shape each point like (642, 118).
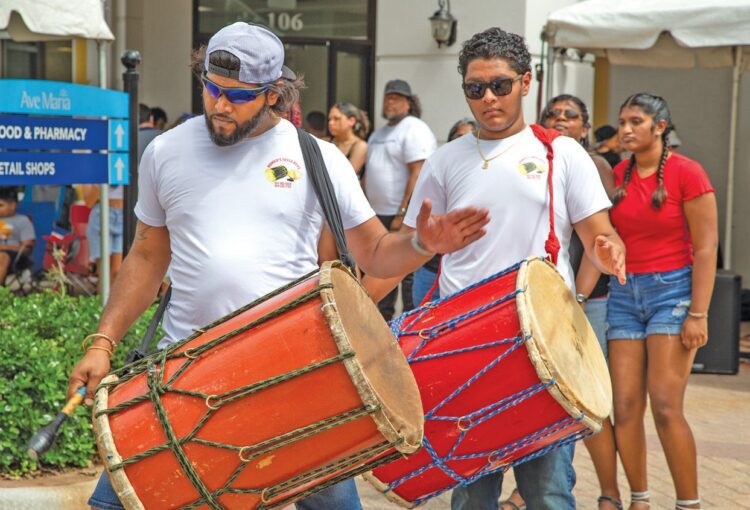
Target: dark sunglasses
(569, 114)
(233, 95)
(499, 87)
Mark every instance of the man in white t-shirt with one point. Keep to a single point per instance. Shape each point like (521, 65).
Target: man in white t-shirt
(395, 155)
(226, 202)
(504, 168)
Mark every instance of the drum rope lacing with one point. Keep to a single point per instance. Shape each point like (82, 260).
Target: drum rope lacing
(155, 367)
(400, 327)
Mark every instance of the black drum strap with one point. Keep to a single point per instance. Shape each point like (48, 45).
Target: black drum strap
(321, 181)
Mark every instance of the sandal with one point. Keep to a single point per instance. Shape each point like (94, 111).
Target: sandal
(512, 504)
(612, 501)
(643, 497)
(681, 504)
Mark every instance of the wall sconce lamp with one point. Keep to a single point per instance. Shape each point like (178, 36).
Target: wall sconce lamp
(443, 24)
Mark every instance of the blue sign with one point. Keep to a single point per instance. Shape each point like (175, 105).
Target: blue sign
(58, 98)
(53, 168)
(22, 132)
(118, 168)
(119, 139)
(39, 116)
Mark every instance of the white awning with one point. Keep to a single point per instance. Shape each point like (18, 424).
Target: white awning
(658, 33)
(40, 20)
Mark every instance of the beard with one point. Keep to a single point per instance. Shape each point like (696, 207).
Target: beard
(241, 132)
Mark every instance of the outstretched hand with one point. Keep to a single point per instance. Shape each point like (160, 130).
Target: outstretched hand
(612, 257)
(445, 233)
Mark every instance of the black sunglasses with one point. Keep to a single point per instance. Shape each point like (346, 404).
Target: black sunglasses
(233, 95)
(499, 87)
(569, 114)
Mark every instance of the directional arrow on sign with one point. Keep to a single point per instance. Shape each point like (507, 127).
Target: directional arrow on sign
(119, 132)
(119, 165)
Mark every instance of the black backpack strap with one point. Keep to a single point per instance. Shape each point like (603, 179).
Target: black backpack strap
(143, 349)
(321, 181)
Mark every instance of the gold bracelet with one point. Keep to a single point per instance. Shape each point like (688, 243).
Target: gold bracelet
(94, 336)
(696, 315)
(100, 348)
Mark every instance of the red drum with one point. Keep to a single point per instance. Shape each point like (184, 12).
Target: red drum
(294, 392)
(508, 369)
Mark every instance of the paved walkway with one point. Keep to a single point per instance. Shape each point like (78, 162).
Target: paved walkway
(718, 409)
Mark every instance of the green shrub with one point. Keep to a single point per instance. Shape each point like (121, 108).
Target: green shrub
(40, 341)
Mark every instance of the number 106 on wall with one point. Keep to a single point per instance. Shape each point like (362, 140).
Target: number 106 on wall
(285, 21)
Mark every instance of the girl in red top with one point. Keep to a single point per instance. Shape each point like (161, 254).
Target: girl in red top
(665, 212)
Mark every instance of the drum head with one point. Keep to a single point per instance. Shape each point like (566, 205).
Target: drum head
(379, 370)
(563, 346)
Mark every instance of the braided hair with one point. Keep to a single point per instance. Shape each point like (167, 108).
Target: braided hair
(581, 106)
(362, 125)
(657, 108)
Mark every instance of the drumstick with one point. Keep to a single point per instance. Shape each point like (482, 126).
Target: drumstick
(43, 439)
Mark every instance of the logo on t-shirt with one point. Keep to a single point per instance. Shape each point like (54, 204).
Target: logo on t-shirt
(532, 167)
(6, 231)
(282, 172)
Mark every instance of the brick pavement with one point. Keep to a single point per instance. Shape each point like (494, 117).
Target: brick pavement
(718, 409)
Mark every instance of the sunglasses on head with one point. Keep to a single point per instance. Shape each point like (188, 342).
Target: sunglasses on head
(499, 87)
(569, 114)
(233, 95)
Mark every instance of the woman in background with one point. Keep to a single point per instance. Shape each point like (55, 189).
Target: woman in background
(349, 127)
(665, 212)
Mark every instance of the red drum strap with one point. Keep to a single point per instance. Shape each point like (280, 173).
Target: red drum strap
(546, 136)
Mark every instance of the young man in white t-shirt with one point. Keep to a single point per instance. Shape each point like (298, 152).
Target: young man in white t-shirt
(504, 168)
(395, 155)
(226, 202)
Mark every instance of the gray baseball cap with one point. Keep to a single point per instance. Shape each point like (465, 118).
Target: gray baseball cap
(398, 87)
(260, 52)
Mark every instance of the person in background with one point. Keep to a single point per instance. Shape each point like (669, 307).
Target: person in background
(424, 277)
(665, 212)
(159, 117)
(607, 144)
(395, 155)
(17, 236)
(146, 129)
(91, 194)
(316, 124)
(569, 115)
(349, 127)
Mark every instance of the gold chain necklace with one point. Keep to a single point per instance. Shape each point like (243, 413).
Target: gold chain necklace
(486, 161)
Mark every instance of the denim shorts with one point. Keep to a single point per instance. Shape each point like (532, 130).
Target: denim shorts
(94, 229)
(649, 304)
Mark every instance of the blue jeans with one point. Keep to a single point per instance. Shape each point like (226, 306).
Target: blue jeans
(342, 496)
(423, 281)
(596, 312)
(545, 483)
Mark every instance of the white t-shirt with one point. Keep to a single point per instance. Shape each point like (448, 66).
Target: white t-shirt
(243, 220)
(390, 149)
(514, 189)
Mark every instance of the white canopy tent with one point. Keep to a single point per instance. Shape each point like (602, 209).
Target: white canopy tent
(38, 20)
(668, 33)
(47, 20)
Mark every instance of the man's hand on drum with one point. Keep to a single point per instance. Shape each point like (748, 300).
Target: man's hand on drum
(446, 233)
(89, 372)
(611, 254)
